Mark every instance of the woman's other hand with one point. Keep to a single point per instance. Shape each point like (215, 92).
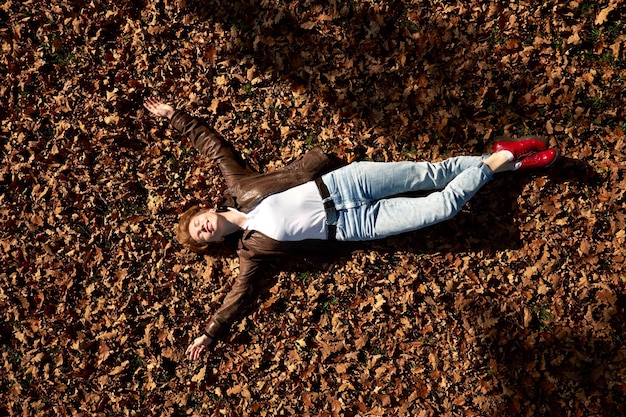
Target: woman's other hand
(157, 107)
(199, 344)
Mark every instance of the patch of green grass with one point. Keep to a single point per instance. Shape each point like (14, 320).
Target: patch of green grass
(57, 55)
(28, 91)
(311, 138)
(493, 108)
(607, 58)
(523, 131)
(130, 208)
(496, 37)
(587, 8)
(248, 89)
(543, 314)
(613, 30)
(27, 381)
(594, 34)
(16, 357)
(135, 362)
(326, 303)
(194, 402)
(245, 116)
(528, 40)
(379, 351)
(61, 56)
(409, 152)
(596, 103)
(304, 277)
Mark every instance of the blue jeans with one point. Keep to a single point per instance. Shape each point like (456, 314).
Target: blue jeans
(365, 195)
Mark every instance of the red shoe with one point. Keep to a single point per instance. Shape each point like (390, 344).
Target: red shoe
(521, 147)
(541, 159)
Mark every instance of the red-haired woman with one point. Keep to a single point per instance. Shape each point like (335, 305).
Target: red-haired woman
(289, 210)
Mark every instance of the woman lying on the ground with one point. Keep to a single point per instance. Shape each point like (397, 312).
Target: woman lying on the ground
(311, 200)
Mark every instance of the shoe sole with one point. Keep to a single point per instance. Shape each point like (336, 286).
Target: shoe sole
(558, 154)
(537, 138)
(510, 139)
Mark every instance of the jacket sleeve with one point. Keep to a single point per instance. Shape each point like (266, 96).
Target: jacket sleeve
(236, 300)
(213, 145)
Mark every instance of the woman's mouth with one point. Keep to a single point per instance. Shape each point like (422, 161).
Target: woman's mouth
(209, 227)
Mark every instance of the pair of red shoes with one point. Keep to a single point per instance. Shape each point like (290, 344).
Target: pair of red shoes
(529, 152)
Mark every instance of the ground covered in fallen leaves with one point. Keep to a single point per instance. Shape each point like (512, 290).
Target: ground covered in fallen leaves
(515, 307)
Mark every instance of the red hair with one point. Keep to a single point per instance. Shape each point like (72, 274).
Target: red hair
(182, 231)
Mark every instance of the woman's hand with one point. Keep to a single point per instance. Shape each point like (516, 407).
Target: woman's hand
(198, 345)
(156, 106)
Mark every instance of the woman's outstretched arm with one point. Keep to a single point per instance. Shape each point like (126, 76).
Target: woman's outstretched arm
(205, 139)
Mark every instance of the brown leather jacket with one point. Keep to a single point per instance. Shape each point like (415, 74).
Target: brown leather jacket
(246, 188)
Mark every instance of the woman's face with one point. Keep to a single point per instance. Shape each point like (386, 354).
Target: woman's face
(206, 227)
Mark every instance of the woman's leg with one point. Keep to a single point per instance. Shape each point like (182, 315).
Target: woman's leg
(361, 182)
(391, 216)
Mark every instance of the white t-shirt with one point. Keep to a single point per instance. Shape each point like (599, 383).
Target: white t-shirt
(292, 215)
